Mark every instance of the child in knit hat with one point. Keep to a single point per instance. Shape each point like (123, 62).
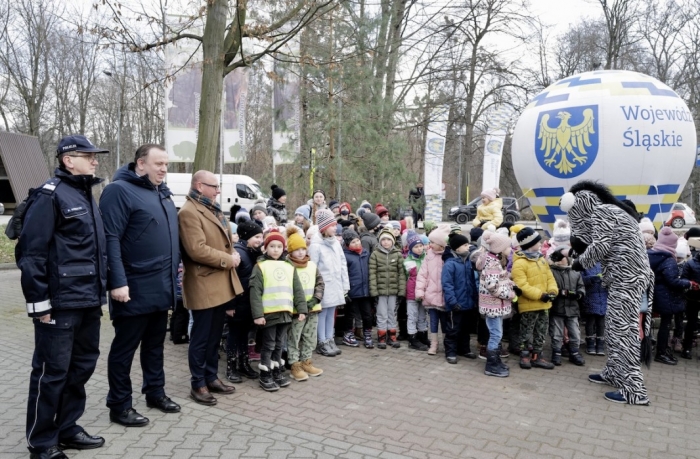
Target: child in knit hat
(276, 205)
(386, 282)
(258, 212)
(536, 289)
(495, 298)
(360, 305)
(275, 292)
(368, 237)
(490, 210)
(429, 282)
(326, 252)
(417, 319)
(301, 339)
(302, 216)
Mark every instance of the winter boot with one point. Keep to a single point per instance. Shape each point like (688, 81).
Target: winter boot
(331, 343)
(310, 369)
(590, 345)
(576, 358)
(502, 352)
(414, 343)
(298, 372)
(423, 337)
(359, 333)
(565, 350)
(556, 357)
(600, 346)
(538, 362)
(525, 363)
(500, 362)
(232, 369)
(433, 344)
(280, 378)
(349, 339)
(482, 352)
(324, 349)
(381, 339)
(368, 339)
(266, 380)
(492, 366)
(393, 341)
(245, 369)
(252, 355)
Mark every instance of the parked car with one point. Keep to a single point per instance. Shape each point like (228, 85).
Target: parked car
(681, 215)
(467, 212)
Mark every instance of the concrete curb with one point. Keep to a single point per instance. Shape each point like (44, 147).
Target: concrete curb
(7, 266)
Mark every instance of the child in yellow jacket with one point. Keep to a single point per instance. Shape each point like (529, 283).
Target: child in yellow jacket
(536, 289)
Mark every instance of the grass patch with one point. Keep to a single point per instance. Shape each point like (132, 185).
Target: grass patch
(7, 247)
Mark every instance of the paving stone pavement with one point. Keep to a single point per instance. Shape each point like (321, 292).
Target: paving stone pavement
(371, 403)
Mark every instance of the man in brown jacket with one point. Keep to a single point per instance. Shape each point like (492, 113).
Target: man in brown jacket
(209, 282)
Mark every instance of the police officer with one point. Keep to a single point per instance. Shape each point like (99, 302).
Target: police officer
(143, 249)
(62, 255)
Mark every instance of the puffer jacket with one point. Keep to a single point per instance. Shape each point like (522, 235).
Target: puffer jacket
(691, 271)
(571, 281)
(596, 299)
(277, 210)
(331, 262)
(241, 303)
(358, 272)
(495, 287)
(411, 266)
(668, 286)
(492, 213)
(369, 241)
(459, 284)
(429, 281)
(532, 275)
(386, 276)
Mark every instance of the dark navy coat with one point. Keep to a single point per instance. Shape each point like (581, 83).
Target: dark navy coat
(668, 286)
(62, 251)
(358, 272)
(459, 284)
(596, 299)
(691, 271)
(249, 257)
(142, 243)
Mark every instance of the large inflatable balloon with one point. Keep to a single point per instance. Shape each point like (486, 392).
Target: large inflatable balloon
(625, 129)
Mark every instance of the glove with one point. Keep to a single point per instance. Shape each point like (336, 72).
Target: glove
(576, 266)
(552, 297)
(694, 285)
(564, 293)
(579, 296)
(545, 298)
(517, 290)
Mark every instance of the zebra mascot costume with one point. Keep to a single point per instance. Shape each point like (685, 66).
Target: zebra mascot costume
(605, 230)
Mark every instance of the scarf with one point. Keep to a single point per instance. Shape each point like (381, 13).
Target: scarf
(357, 250)
(213, 206)
(298, 263)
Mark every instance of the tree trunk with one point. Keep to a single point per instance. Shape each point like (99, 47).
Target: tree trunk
(213, 74)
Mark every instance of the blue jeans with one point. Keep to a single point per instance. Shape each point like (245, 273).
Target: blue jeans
(325, 324)
(434, 319)
(495, 325)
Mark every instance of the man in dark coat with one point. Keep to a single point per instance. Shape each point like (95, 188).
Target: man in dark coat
(416, 198)
(143, 249)
(62, 255)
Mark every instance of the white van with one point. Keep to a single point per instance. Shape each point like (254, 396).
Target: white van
(235, 189)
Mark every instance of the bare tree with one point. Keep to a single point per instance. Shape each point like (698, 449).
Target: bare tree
(620, 18)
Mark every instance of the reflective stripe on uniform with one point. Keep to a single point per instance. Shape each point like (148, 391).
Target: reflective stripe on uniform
(42, 306)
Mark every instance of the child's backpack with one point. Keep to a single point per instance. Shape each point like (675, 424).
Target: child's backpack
(14, 226)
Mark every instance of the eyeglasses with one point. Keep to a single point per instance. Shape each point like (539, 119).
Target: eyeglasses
(91, 157)
(211, 186)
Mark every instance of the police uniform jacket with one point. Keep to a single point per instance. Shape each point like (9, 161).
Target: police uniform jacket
(209, 279)
(142, 243)
(62, 249)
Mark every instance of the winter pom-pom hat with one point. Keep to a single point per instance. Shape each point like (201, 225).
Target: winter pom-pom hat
(294, 239)
(247, 229)
(561, 233)
(667, 242)
(528, 237)
(412, 239)
(439, 235)
(275, 235)
(497, 242)
(647, 226)
(490, 194)
(277, 192)
(387, 234)
(324, 219)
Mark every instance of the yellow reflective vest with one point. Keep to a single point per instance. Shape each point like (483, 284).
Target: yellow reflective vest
(307, 276)
(278, 286)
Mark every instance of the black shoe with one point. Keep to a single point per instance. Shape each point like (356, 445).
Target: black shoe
(128, 418)
(280, 378)
(414, 343)
(451, 360)
(245, 369)
(232, 370)
(52, 453)
(164, 404)
(82, 440)
(576, 358)
(665, 359)
(686, 354)
(556, 358)
(423, 337)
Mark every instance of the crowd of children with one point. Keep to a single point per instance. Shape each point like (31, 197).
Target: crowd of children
(501, 281)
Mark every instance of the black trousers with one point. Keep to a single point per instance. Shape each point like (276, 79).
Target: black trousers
(148, 331)
(595, 326)
(451, 323)
(691, 312)
(203, 353)
(358, 307)
(273, 339)
(65, 355)
(664, 332)
(482, 332)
